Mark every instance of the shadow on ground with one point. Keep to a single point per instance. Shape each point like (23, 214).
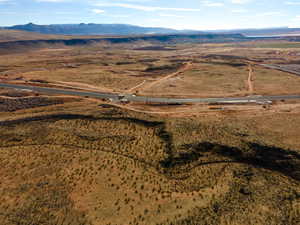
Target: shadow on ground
(57, 117)
(283, 161)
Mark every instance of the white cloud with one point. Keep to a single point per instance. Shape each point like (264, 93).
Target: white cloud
(145, 8)
(240, 1)
(239, 10)
(213, 4)
(170, 15)
(292, 3)
(119, 16)
(270, 14)
(53, 0)
(297, 18)
(295, 22)
(98, 11)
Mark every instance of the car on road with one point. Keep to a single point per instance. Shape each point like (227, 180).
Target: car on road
(24, 90)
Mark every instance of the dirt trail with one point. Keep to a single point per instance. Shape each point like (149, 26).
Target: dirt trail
(250, 79)
(185, 67)
(136, 87)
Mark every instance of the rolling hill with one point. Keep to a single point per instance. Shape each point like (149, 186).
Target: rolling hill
(35, 42)
(16, 35)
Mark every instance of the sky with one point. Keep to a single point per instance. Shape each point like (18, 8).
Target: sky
(178, 14)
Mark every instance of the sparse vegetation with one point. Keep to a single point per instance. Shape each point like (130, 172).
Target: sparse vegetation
(85, 169)
(89, 162)
(163, 68)
(9, 105)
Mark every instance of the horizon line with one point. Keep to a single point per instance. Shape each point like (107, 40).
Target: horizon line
(213, 29)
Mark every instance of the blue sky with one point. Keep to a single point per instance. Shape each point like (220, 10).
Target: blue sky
(179, 14)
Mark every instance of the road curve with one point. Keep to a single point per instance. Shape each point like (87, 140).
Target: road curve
(132, 98)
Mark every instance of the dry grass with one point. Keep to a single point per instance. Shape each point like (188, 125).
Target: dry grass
(113, 69)
(218, 70)
(16, 35)
(70, 167)
(270, 82)
(205, 79)
(80, 163)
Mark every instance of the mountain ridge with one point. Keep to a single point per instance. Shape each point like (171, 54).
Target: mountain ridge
(93, 29)
(127, 29)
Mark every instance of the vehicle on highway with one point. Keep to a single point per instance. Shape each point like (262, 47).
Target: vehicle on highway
(24, 90)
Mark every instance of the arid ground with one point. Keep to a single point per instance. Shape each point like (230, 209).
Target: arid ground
(66, 160)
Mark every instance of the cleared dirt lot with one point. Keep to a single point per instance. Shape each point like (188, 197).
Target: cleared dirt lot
(271, 81)
(109, 69)
(216, 69)
(205, 79)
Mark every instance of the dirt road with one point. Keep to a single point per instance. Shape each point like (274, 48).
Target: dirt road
(250, 79)
(185, 67)
(131, 90)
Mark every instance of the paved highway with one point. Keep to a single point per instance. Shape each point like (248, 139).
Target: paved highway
(132, 98)
(282, 68)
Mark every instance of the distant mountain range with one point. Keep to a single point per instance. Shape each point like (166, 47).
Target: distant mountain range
(93, 29)
(123, 29)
